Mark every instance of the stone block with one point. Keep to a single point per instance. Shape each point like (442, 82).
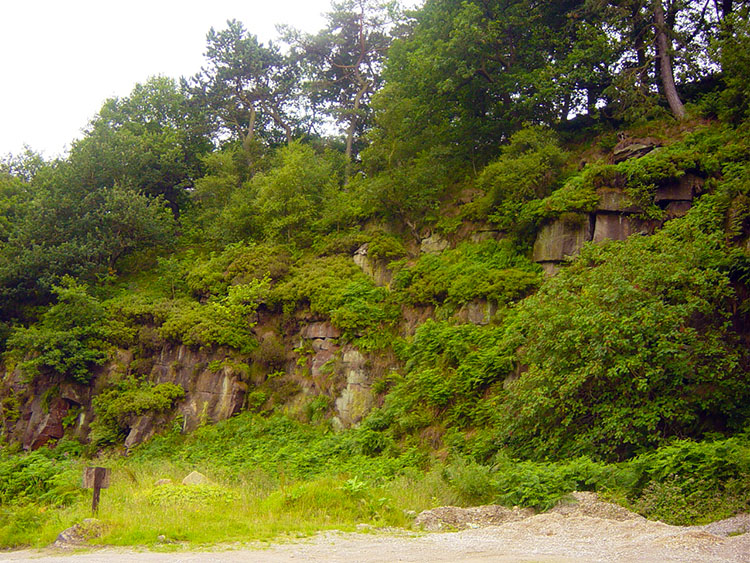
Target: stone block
(677, 209)
(564, 237)
(683, 189)
(616, 201)
(610, 226)
(320, 330)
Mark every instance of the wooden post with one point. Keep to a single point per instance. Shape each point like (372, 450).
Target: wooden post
(96, 478)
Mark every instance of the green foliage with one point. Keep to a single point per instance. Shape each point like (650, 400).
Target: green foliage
(172, 497)
(687, 482)
(238, 263)
(527, 169)
(69, 339)
(383, 246)
(116, 408)
(628, 346)
(287, 448)
(449, 370)
(411, 191)
(296, 196)
(735, 63)
(37, 477)
(225, 321)
(489, 270)
(64, 229)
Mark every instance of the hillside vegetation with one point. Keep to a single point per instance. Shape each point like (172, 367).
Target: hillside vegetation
(351, 327)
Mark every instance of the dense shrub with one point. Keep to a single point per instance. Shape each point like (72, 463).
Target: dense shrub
(490, 270)
(116, 407)
(69, 339)
(629, 345)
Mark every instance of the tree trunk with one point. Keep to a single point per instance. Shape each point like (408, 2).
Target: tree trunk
(250, 130)
(276, 115)
(364, 86)
(663, 49)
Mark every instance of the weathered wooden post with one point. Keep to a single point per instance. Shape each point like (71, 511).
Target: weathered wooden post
(96, 478)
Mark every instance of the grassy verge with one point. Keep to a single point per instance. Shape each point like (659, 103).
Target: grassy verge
(273, 478)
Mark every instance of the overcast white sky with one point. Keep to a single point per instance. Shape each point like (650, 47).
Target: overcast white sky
(60, 59)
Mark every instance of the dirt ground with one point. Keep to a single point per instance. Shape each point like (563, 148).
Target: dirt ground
(586, 530)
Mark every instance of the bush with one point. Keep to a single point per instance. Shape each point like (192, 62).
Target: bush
(223, 321)
(37, 477)
(490, 270)
(68, 341)
(628, 346)
(116, 408)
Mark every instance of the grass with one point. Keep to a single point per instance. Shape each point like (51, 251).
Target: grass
(274, 478)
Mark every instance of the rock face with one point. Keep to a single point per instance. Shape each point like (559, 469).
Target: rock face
(616, 217)
(376, 269)
(357, 398)
(45, 424)
(633, 148)
(478, 312)
(562, 238)
(210, 396)
(611, 226)
(434, 244)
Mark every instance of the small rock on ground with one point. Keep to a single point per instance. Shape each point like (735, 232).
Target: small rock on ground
(80, 533)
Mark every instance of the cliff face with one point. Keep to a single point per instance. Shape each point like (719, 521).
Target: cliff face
(616, 217)
(217, 385)
(313, 371)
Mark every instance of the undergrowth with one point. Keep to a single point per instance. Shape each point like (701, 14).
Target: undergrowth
(275, 477)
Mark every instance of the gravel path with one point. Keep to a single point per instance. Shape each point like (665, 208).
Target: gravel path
(587, 531)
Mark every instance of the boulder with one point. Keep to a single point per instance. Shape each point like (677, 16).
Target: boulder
(79, 534)
(561, 238)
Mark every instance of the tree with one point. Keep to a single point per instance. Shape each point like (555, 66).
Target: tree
(69, 339)
(249, 88)
(344, 61)
(150, 141)
(664, 60)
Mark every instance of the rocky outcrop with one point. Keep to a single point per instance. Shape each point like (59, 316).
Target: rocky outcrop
(45, 422)
(377, 269)
(628, 148)
(434, 244)
(357, 398)
(562, 238)
(616, 217)
(479, 312)
(210, 395)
